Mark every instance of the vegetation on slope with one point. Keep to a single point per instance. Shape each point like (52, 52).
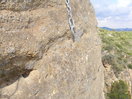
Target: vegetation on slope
(116, 49)
(119, 90)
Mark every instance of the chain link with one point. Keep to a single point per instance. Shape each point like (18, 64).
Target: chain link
(76, 35)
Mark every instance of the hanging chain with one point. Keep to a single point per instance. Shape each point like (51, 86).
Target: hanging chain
(76, 35)
(70, 18)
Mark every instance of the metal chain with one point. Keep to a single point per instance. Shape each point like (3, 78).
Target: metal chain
(76, 35)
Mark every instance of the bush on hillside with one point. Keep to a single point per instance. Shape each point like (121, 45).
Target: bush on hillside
(119, 90)
(130, 66)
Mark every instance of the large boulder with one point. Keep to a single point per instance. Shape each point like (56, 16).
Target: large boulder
(38, 58)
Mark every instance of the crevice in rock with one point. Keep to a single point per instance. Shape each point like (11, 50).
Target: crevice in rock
(12, 72)
(26, 73)
(54, 40)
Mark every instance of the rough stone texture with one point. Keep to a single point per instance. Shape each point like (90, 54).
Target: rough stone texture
(36, 40)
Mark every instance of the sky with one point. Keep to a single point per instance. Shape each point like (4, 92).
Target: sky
(113, 13)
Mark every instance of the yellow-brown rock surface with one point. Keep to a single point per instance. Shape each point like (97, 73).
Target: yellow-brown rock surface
(35, 39)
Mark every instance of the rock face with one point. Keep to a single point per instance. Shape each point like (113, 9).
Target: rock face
(38, 58)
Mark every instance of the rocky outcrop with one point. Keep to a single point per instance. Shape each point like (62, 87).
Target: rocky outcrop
(38, 58)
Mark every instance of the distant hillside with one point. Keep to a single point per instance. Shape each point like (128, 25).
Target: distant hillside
(117, 29)
(117, 60)
(116, 49)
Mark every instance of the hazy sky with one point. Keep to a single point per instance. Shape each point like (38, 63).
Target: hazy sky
(113, 13)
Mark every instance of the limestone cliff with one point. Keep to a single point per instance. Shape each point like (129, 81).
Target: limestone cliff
(38, 58)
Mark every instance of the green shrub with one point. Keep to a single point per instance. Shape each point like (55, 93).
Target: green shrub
(119, 90)
(130, 66)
